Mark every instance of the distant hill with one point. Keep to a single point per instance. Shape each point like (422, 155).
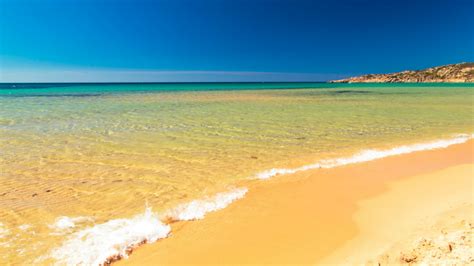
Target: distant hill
(462, 72)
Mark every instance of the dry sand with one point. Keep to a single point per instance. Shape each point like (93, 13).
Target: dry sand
(448, 241)
(365, 213)
(415, 221)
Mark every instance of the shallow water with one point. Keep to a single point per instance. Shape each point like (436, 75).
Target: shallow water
(103, 152)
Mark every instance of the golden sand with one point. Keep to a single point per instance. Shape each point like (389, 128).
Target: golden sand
(395, 226)
(347, 214)
(447, 241)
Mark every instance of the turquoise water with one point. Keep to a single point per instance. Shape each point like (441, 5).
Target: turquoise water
(78, 89)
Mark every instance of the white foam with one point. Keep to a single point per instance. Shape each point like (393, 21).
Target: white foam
(197, 209)
(64, 222)
(113, 239)
(368, 155)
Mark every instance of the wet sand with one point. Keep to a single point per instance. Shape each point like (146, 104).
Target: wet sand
(350, 214)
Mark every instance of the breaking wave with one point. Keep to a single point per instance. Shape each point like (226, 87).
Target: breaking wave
(197, 209)
(110, 241)
(367, 155)
(115, 239)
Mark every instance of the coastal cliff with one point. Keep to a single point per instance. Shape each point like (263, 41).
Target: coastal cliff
(462, 72)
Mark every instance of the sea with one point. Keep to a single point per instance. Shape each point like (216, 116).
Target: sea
(89, 172)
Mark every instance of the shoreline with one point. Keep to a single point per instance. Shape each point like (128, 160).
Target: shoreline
(281, 221)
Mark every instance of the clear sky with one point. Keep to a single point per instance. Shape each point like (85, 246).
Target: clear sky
(228, 40)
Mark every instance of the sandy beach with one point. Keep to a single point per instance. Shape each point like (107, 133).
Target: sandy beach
(248, 173)
(140, 132)
(373, 212)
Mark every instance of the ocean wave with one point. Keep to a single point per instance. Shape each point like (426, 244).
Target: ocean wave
(104, 243)
(368, 155)
(115, 239)
(197, 209)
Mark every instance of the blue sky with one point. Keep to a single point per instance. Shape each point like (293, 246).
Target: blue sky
(225, 40)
